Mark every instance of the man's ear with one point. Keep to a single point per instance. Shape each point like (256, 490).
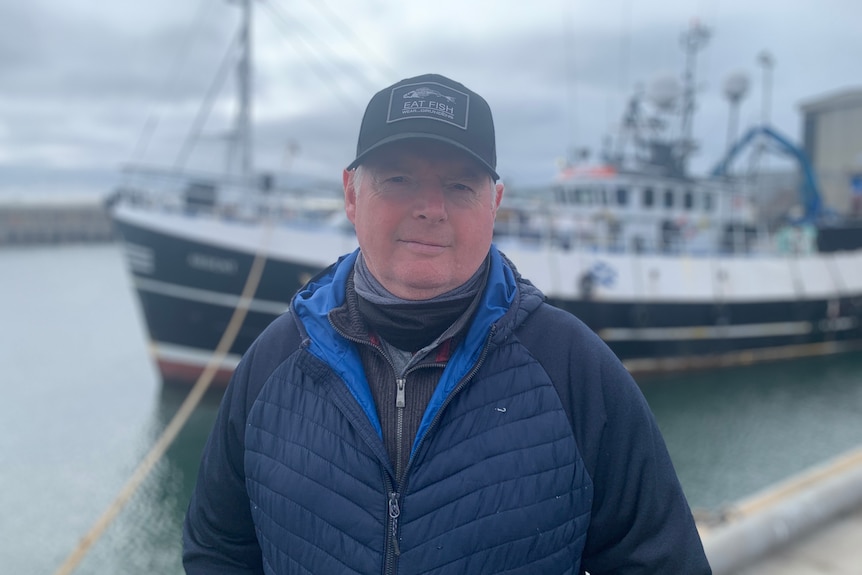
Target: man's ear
(498, 195)
(349, 195)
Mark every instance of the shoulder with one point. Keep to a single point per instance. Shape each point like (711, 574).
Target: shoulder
(279, 339)
(272, 347)
(561, 338)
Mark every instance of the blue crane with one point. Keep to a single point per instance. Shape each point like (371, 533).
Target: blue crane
(810, 193)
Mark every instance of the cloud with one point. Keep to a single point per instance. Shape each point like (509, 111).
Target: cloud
(90, 84)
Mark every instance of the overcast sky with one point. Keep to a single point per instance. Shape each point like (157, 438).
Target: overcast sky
(87, 85)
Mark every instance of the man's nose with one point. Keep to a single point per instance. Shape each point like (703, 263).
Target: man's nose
(431, 202)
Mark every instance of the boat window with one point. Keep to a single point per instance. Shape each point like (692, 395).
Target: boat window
(570, 196)
(688, 200)
(622, 196)
(648, 197)
(603, 196)
(668, 198)
(707, 202)
(560, 194)
(583, 196)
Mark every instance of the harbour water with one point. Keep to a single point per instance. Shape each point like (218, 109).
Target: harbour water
(81, 404)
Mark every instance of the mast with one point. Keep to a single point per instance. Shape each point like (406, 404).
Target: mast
(692, 41)
(244, 79)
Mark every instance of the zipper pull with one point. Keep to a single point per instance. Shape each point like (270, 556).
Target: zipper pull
(394, 513)
(399, 394)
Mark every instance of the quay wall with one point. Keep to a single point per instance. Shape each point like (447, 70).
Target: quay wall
(770, 521)
(53, 222)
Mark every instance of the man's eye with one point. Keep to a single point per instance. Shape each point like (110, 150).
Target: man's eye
(393, 183)
(460, 187)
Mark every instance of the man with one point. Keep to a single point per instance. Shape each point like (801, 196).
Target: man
(420, 409)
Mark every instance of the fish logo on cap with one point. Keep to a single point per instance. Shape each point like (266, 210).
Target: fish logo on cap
(431, 101)
(424, 92)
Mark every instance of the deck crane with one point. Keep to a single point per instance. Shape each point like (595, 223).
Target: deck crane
(809, 191)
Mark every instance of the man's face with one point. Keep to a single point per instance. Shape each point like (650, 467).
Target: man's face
(424, 216)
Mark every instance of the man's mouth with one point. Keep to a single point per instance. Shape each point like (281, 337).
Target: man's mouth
(424, 246)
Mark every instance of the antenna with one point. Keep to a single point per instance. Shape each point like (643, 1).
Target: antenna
(766, 60)
(735, 89)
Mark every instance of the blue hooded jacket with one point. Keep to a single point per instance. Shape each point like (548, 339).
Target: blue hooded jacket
(536, 454)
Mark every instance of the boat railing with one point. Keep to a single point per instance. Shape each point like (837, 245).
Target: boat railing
(541, 228)
(226, 198)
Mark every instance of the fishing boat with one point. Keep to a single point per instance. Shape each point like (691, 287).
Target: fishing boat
(673, 271)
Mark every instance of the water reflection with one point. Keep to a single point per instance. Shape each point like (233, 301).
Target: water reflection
(146, 537)
(734, 432)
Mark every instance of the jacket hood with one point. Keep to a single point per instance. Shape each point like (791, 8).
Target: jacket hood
(506, 302)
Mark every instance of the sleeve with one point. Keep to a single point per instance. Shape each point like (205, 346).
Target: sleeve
(641, 521)
(218, 532)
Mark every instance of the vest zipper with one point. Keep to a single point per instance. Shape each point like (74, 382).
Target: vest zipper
(394, 514)
(392, 549)
(400, 404)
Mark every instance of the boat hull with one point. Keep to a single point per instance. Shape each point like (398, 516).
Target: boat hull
(189, 280)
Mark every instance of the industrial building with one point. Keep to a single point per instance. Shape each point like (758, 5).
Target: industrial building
(832, 137)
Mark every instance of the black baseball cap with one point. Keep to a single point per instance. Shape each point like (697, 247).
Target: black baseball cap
(431, 107)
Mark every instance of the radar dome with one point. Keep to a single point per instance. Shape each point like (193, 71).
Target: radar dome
(664, 91)
(736, 86)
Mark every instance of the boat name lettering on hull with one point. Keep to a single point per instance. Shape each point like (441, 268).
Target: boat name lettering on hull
(213, 264)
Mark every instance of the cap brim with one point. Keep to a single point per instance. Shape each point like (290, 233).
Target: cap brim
(422, 136)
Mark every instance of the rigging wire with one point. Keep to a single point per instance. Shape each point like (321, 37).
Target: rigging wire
(305, 48)
(385, 70)
(152, 121)
(330, 56)
(207, 104)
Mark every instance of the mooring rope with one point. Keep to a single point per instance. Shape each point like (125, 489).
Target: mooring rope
(183, 413)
